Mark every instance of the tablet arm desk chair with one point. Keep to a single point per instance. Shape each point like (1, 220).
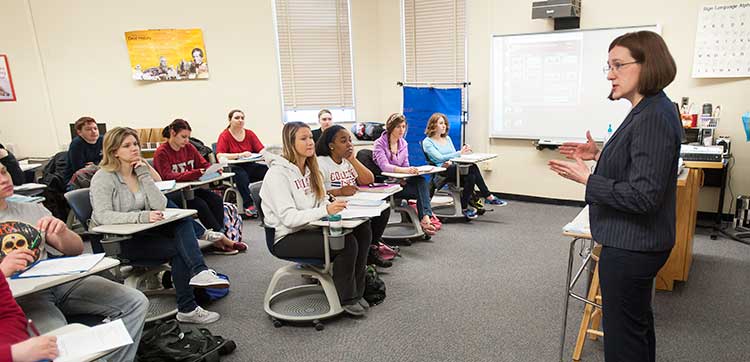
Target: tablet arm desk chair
(408, 228)
(302, 303)
(136, 274)
(441, 186)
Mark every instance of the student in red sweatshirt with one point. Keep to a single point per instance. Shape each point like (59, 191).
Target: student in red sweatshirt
(237, 142)
(15, 344)
(179, 160)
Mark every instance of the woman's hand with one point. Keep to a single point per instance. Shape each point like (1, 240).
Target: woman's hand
(16, 260)
(245, 154)
(585, 151)
(409, 170)
(348, 190)
(577, 171)
(42, 348)
(466, 149)
(138, 163)
(336, 207)
(154, 216)
(447, 164)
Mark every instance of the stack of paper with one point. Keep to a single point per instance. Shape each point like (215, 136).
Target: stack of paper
(386, 188)
(61, 266)
(166, 185)
(579, 225)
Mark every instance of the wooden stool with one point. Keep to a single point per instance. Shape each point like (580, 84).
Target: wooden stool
(592, 315)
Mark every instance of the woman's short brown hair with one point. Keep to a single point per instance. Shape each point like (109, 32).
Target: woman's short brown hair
(393, 121)
(658, 68)
(432, 124)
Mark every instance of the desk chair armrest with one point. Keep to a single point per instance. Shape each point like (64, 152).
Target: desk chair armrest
(111, 244)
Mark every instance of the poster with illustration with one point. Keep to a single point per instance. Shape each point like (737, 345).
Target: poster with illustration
(167, 54)
(7, 93)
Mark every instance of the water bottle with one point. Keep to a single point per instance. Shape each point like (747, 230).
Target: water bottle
(609, 133)
(335, 225)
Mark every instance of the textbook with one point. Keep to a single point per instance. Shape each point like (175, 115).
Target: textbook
(384, 188)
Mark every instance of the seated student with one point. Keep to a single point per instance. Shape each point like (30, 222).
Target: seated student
(237, 142)
(326, 120)
(8, 160)
(94, 295)
(124, 192)
(179, 160)
(84, 149)
(342, 172)
(293, 196)
(440, 150)
(391, 153)
(15, 344)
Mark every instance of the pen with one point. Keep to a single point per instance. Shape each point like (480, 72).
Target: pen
(31, 328)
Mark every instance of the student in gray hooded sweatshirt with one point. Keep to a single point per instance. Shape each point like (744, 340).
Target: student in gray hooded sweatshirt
(293, 196)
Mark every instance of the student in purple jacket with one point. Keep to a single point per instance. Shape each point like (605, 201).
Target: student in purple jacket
(391, 154)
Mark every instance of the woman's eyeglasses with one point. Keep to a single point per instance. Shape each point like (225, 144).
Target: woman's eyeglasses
(616, 66)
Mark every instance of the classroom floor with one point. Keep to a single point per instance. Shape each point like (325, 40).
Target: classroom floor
(489, 290)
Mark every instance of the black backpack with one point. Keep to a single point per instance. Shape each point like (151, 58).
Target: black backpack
(202, 148)
(365, 157)
(170, 341)
(374, 287)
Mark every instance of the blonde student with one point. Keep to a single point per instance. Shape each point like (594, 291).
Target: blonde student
(293, 196)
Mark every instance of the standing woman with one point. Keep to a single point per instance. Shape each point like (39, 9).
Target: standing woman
(326, 120)
(632, 192)
(237, 142)
(179, 160)
(391, 153)
(440, 150)
(293, 196)
(124, 192)
(342, 172)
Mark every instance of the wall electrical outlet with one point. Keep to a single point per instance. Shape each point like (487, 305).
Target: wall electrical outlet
(485, 166)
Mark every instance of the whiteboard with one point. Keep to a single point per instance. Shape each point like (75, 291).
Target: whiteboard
(551, 86)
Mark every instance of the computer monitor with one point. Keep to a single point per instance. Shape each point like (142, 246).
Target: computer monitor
(73, 133)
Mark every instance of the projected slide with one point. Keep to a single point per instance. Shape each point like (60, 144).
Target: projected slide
(551, 85)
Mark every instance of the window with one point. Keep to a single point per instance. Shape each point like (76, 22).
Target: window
(315, 60)
(434, 40)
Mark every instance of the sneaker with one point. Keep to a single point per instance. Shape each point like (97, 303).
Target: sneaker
(496, 201)
(239, 246)
(198, 316)
(208, 279)
(374, 258)
(470, 214)
(364, 303)
(354, 309)
(251, 212)
(212, 236)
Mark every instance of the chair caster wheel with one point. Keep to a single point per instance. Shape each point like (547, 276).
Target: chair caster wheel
(318, 326)
(427, 237)
(714, 236)
(277, 323)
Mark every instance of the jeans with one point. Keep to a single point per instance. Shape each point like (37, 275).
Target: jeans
(177, 243)
(209, 205)
(626, 278)
(473, 177)
(417, 188)
(92, 295)
(349, 263)
(246, 173)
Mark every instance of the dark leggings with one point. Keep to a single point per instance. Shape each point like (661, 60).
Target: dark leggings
(348, 263)
(246, 173)
(209, 205)
(473, 177)
(379, 224)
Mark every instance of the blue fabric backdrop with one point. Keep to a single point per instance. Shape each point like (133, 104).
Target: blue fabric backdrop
(419, 105)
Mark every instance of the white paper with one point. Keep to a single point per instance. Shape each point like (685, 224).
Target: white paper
(355, 202)
(721, 41)
(357, 212)
(166, 185)
(579, 225)
(170, 213)
(477, 156)
(425, 168)
(252, 156)
(362, 195)
(78, 345)
(63, 266)
(29, 186)
(213, 169)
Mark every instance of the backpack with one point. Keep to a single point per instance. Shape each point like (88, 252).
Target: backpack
(82, 178)
(365, 157)
(53, 175)
(204, 150)
(232, 222)
(374, 287)
(170, 341)
(368, 131)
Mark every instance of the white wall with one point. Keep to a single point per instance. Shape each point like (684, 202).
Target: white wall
(81, 67)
